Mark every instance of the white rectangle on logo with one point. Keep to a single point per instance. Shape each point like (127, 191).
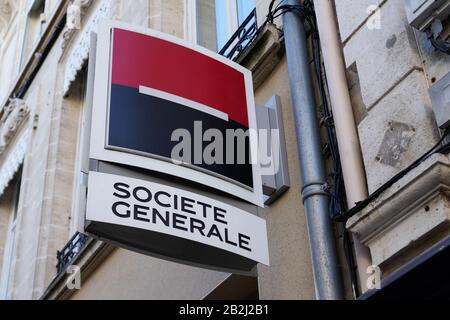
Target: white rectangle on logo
(183, 101)
(159, 208)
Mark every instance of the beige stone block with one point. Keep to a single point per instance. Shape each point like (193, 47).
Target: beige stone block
(135, 12)
(397, 131)
(383, 56)
(409, 217)
(173, 17)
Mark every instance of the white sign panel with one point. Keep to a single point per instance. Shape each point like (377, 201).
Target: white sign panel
(157, 101)
(132, 203)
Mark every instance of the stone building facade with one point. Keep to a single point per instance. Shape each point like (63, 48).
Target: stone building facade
(395, 65)
(43, 83)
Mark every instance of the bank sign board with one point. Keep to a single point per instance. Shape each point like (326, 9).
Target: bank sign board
(164, 104)
(174, 109)
(174, 223)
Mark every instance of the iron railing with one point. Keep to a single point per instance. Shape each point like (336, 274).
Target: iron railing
(70, 251)
(242, 38)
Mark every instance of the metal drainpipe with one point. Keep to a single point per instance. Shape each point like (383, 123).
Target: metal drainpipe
(346, 131)
(316, 199)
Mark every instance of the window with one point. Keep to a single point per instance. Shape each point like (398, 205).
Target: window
(11, 196)
(213, 22)
(36, 22)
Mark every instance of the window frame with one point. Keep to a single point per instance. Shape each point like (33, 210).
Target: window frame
(27, 42)
(191, 25)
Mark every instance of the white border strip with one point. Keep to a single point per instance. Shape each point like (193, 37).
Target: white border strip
(183, 101)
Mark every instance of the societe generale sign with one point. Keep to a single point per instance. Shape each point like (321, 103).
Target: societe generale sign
(163, 105)
(181, 225)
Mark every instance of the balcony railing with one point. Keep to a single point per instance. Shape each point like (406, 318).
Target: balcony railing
(67, 255)
(242, 38)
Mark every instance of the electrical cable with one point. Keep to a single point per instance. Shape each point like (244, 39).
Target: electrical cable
(363, 204)
(350, 258)
(337, 192)
(435, 36)
(441, 45)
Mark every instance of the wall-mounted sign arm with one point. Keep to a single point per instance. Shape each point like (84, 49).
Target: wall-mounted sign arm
(273, 154)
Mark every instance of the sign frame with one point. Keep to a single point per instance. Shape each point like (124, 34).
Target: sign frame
(101, 101)
(152, 238)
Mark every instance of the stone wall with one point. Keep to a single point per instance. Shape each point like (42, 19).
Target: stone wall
(392, 66)
(399, 125)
